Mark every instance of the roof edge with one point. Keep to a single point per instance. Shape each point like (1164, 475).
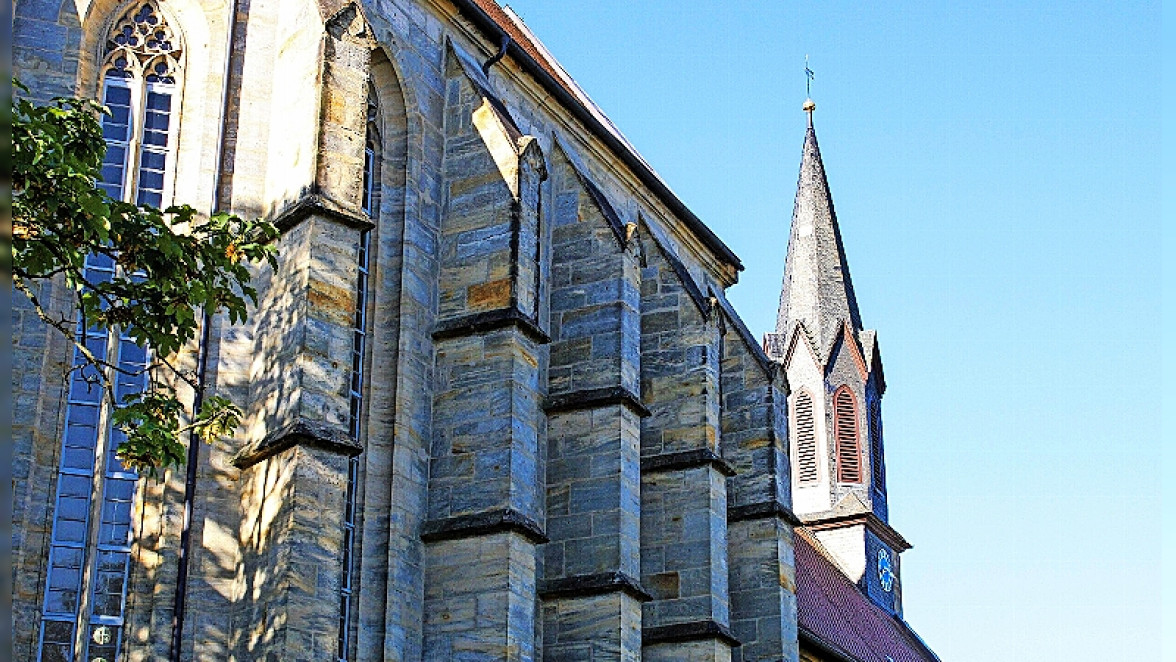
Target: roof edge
(807, 636)
(645, 174)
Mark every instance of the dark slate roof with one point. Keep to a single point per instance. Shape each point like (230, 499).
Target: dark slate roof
(817, 289)
(526, 49)
(835, 617)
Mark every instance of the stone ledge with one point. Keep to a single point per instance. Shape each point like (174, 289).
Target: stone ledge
(595, 584)
(314, 203)
(300, 433)
(692, 631)
(686, 460)
(820, 522)
(475, 323)
(595, 397)
(483, 524)
(762, 510)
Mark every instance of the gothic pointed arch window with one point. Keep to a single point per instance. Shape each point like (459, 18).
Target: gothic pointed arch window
(140, 85)
(845, 432)
(90, 546)
(806, 438)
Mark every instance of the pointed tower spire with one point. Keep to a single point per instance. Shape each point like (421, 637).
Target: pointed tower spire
(817, 290)
(834, 371)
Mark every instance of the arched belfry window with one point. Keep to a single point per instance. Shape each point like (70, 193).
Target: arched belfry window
(845, 431)
(89, 555)
(806, 438)
(140, 86)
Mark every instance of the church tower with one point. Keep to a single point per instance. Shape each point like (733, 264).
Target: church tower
(835, 407)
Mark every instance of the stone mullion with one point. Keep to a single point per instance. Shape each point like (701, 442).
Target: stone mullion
(591, 589)
(683, 489)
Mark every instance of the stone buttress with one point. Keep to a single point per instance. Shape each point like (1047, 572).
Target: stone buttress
(683, 476)
(591, 588)
(486, 503)
(295, 476)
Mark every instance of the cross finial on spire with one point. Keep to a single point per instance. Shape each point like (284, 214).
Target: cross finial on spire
(809, 104)
(808, 75)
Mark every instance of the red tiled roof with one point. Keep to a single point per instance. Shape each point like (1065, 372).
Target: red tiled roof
(834, 612)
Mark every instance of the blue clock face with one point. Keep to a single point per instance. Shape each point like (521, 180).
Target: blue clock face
(885, 570)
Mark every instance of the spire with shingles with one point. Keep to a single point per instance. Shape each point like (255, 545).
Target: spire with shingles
(817, 290)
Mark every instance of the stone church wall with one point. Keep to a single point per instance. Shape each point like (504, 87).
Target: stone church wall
(571, 447)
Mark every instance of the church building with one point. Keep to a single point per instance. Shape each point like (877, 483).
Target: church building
(497, 403)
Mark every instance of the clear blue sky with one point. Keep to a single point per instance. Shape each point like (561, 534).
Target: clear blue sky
(996, 173)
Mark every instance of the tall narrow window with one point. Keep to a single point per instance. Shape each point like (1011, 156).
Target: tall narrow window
(370, 204)
(877, 469)
(83, 609)
(806, 440)
(140, 88)
(845, 425)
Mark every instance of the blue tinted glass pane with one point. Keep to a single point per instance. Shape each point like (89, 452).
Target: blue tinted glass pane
(120, 489)
(150, 198)
(70, 531)
(61, 601)
(154, 160)
(114, 131)
(155, 138)
(72, 508)
(66, 557)
(116, 512)
(158, 101)
(85, 391)
(112, 177)
(99, 261)
(64, 578)
(115, 155)
(116, 94)
(111, 561)
(157, 121)
(77, 458)
(132, 354)
(112, 190)
(120, 115)
(83, 415)
(151, 179)
(114, 534)
(74, 486)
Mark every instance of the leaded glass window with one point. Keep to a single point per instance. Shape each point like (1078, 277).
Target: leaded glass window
(83, 610)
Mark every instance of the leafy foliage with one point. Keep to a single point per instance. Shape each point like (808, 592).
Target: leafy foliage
(169, 263)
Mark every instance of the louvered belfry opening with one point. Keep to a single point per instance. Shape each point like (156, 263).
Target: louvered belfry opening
(806, 440)
(845, 425)
(876, 444)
